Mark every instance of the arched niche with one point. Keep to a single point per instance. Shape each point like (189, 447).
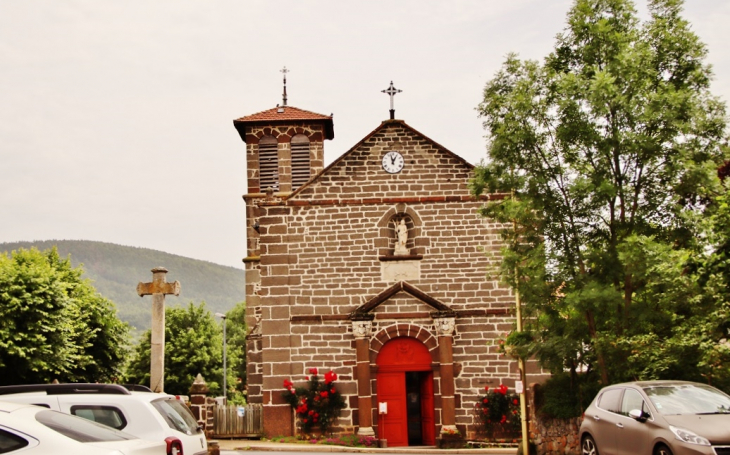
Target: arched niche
(387, 236)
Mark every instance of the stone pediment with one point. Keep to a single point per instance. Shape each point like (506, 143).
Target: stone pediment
(364, 311)
(427, 165)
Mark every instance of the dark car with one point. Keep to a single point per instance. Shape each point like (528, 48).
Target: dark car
(659, 418)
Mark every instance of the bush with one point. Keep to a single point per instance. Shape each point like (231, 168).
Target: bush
(499, 412)
(319, 404)
(563, 397)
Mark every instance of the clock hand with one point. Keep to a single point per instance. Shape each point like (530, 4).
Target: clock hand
(392, 160)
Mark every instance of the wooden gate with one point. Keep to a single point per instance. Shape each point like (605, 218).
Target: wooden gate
(238, 421)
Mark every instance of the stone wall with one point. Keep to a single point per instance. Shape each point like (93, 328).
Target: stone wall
(553, 436)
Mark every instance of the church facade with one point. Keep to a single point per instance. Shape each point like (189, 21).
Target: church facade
(377, 267)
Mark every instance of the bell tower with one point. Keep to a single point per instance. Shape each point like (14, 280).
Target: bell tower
(284, 146)
(284, 150)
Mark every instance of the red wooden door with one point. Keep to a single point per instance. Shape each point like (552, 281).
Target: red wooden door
(393, 426)
(428, 426)
(395, 358)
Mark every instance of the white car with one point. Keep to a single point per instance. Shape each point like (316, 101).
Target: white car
(32, 430)
(140, 412)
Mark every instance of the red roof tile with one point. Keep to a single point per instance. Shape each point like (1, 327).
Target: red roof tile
(283, 113)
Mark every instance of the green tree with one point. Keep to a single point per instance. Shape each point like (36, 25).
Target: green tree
(53, 323)
(236, 332)
(610, 149)
(706, 334)
(193, 345)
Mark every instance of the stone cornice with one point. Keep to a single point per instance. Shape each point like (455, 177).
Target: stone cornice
(394, 200)
(414, 315)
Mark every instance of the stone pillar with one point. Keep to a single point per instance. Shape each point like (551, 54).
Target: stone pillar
(158, 288)
(199, 404)
(157, 344)
(445, 329)
(361, 330)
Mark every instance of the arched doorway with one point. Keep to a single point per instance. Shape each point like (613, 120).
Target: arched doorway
(405, 382)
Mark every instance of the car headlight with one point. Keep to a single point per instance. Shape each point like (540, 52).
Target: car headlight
(689, 436)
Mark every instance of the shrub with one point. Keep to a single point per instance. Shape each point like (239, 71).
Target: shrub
(318, 404)
(499, 412)
(563, 397)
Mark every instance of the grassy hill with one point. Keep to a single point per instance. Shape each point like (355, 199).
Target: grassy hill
(115, 271)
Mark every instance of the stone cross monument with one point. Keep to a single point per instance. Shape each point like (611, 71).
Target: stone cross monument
(158, 288)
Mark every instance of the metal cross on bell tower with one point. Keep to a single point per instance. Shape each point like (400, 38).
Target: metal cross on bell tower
(284, 71)
(392, 92)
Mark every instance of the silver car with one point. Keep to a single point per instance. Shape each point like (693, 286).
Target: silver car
(659, 418)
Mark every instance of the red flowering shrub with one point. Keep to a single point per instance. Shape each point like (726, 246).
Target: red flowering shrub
(499, 412)
(318, 404)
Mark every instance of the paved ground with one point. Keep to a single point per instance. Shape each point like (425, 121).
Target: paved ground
(266, 446)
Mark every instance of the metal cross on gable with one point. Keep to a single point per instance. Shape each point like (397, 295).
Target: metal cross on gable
(284, 71)
(392, 91)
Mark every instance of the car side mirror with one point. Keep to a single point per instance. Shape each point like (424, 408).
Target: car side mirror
(637, 415)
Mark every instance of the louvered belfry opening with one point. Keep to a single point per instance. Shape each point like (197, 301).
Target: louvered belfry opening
(300, 166)
(268, 163)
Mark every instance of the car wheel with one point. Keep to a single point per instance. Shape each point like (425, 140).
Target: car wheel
(662, 450)
(588, 446)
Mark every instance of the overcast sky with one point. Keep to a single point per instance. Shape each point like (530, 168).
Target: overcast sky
(116, 116)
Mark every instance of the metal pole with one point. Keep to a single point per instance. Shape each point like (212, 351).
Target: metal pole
(225, 370)
(523, 377)
(520, 360)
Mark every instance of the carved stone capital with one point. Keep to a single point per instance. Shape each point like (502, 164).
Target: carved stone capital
(362, 329)
(445, 326)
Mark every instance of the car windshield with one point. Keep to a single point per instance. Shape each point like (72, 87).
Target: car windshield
(79, 429)
(682, 399)
(177, 415)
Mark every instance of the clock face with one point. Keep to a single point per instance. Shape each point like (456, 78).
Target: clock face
(393, 162)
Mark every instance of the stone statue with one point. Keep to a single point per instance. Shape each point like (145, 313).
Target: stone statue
(401, 231)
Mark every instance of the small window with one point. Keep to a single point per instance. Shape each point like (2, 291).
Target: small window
(300, 166)
(633, 400)
(105, 415)
(10, 442)
(611, 400)
(80, 429)
(268, 163)
(177, 415)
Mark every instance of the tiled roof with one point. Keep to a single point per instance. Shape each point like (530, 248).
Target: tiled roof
(283, 113)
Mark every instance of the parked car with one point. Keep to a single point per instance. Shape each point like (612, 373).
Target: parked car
(139, 411)
(659, 418)
(33, 430)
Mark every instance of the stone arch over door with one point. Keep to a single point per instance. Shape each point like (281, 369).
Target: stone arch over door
(418, 332)
(405, 383)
